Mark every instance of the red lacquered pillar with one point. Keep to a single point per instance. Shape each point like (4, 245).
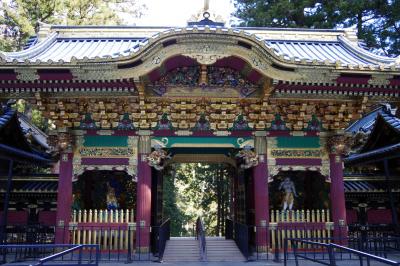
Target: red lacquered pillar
(261, 197)
(64, 198)
(338, 205)
(143, 211)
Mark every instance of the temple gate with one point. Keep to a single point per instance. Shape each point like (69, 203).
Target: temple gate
(282, 113)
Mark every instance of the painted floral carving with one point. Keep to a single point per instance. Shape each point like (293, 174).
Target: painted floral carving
(278, 124)
(202, 124)
(125, 123)
(88, 122)
(249, 157)
(240, 124)
(164, 123)
(314, 124)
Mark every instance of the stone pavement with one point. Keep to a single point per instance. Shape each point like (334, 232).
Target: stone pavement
(250, 263)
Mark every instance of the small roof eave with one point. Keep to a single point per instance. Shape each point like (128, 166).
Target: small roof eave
(377, 155)
(22, 156)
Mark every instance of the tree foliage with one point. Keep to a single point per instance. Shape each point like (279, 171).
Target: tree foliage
(377, 21)
(197, 190)
(19, 19)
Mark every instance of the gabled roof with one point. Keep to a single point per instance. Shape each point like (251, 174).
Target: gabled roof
(386, 132)
(73, 43)
(367, 122)
(13, 143)
(383, 140)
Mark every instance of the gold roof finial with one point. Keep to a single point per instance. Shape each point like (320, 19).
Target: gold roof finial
(206, 16)
(206, 5)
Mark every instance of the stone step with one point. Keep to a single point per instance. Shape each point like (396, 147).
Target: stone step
(219, 249)
(185, 250)
(194, 252)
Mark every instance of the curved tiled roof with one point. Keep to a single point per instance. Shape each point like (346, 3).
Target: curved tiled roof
(67, 44)
(317, 50)
(367, 122)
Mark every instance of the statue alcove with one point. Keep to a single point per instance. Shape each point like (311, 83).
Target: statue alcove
(91, 189)
(311, 187)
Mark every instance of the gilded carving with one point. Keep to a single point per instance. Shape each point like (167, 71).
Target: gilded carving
(380, 80)
(249, 158)
(27, 74)
(339, 144)
(296, 153)
(101, 152)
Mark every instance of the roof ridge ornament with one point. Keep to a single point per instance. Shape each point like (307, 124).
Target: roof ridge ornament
(206, 18)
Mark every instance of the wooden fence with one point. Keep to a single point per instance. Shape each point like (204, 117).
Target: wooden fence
(111, 229)
(299, 224)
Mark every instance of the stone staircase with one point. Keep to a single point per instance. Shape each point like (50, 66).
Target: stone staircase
(182, 249)
(221, 249)
(186, 249)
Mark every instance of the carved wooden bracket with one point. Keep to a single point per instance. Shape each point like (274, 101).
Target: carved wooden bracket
(339, 144)
(60, 141)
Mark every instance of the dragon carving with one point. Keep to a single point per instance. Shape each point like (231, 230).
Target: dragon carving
(249, 157)
(158, 158)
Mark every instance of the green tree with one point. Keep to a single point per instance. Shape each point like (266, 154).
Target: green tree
(34, 114)
(197, 190)
(377, 21)
(100, 12)
(170, 207)
(20, 18)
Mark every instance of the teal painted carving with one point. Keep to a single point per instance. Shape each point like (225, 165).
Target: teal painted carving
(201, 142)
(87, 122)
(298, 142)
(278, 124)
(105, 141)
(164, 123)
(202, 124)
(240, 124)
(314, 124)
(125, 123)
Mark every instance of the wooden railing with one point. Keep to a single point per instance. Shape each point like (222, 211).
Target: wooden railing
(110, 229)
(299, 224)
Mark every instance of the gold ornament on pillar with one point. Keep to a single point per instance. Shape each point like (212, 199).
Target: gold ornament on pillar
(249, 157)
(60, 141)
(158, 158)
(339, 144)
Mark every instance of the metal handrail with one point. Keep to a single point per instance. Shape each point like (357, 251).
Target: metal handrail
(331, 247)
(240, 234)
(163, 235)
(71, 248)
(65, 252)
(201, 236)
